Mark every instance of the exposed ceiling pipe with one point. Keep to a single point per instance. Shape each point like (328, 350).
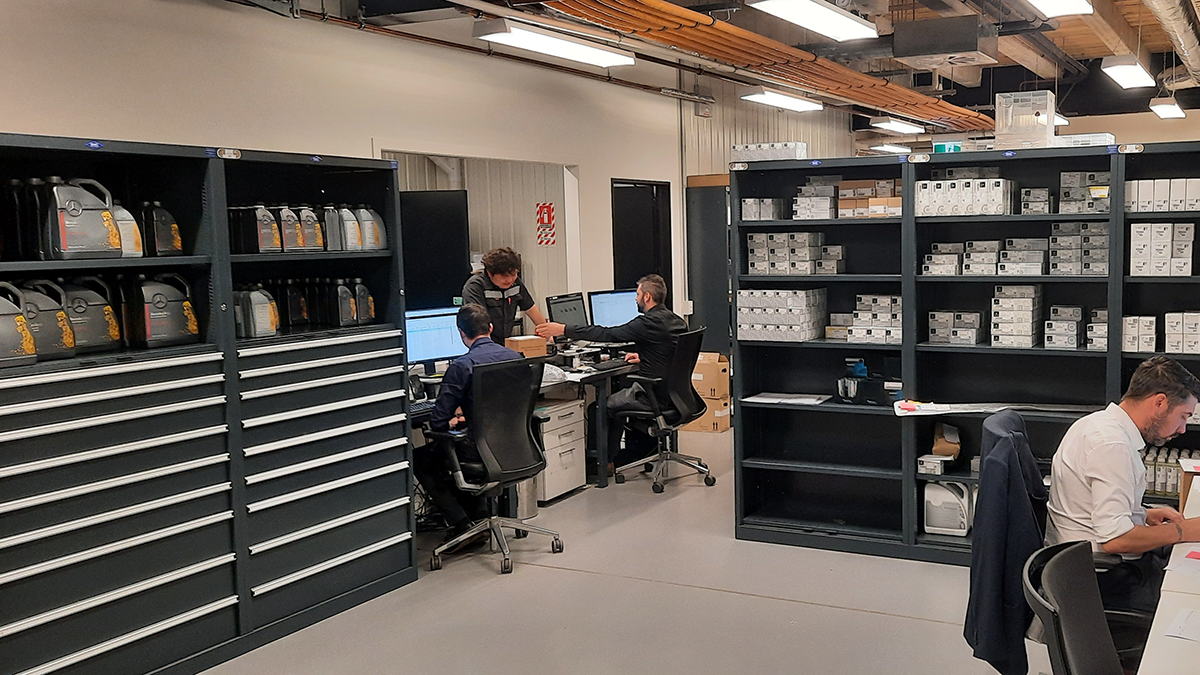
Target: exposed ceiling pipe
(1178, 20)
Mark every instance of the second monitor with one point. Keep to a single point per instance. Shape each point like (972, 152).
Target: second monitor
(567, 309)
(613, 308)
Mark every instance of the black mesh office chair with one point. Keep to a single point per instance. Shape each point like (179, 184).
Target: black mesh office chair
(663, 421)
(507, 436)
(1060, 585)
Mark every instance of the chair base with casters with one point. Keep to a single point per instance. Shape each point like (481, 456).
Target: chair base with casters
(493, 525)
(659, 464)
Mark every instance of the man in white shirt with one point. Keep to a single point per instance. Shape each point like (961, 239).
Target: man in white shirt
(1098, 480)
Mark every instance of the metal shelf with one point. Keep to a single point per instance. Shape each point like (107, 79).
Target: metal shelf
(987, 349)
(828, 407)
(821, 467)
(945, 540)
(818, 526)
(307, 255)
(1016, 218)
(968, 478)
(105, 263)
(821, 222)
(819, 344)
(1161, 215)
(1008, 279)
(823, 278)
(1162, 280)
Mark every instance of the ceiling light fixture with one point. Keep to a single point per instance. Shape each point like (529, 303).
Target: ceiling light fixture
(1126, 71)
(898, 126)
(1166, 108)
(547, 42)
(778, 99)
(819, 17)
(1053, 8)
(892, 147)
(1060, 121)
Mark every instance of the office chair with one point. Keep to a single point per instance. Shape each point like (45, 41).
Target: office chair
(508, 438)
(663, 422)
(1060, 586)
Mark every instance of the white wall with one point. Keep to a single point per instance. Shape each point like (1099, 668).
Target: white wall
(209, 72)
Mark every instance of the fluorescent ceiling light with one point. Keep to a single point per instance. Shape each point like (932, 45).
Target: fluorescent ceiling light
(1060, 121)
(892, 147)
(1167, 108)
(898, 126)
(1053, 8)
(550, 43)
(819, 17)
(777, 99)
(1126, 71)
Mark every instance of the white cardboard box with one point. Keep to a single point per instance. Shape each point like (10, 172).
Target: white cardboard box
(1066, 269)
(1062, 341)
(979, 269)
(1097, 330)
(1139, 233)
(1145, 194)
(1021, 269)
(1184, 231)
(1131, 195)
(1017, 291)
(1095, 269)
(989, 246)
(1066, 313)
(1147, 343)
(1174, 343)
(1161, 250)
(1015, 341)
(987, 258)
(1181, 267)
(1015, 329)
(1178, 194)
(1162, 194)
(1139, 268)
(1193, 194)
(1161, 232)
(1062, 327)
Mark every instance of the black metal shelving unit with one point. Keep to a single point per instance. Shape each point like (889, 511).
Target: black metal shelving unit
(844, 477)
(164, 510)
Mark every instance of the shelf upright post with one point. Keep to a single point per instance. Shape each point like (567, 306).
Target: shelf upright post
(737, 240)
(395, 316)
(908, 349)
(1116, 272)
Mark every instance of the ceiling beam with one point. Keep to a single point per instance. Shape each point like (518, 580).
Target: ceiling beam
(1107, 22)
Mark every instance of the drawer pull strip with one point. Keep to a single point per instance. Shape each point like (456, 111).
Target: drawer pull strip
(330, 564)
(319, 363)
(325, 382)
(102, 371)
(289, 497)
(322, 435)
(114, 595)
(324, 461)
(321, 409)
(313, 344)
(63, 401)
(109, 516)
(326, 526)
(112, 418)
(98, 486)
(100, 453)
(114, 547)
(134, 636)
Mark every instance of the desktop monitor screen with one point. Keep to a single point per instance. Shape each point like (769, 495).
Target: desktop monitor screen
(613, 308)
(567, 309)
(433, 335)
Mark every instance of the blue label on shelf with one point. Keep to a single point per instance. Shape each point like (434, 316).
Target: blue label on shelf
(395, 164)
(94, 145)
(315, 158)
(210, 152)
(903, 159)
(815, 162)
(1113, 149)
(1008, 153)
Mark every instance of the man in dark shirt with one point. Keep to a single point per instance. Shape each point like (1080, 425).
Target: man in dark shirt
(453, 410)
(500, 289)
(654, 332)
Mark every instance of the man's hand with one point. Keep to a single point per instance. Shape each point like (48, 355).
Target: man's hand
(1163, 514)
(549, 330)
(632, 357)
(458, 421)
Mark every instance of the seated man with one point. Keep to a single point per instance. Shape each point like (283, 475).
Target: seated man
(1098, 480)
(654, 333)
(453, 410)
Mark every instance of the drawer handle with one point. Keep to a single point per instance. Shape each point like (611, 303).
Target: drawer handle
(566, 434)
(327, 525)
(104, 371)
(329, 564)
(566, 452)
(319, 363)
(290, 497)
(320, 409)
(322, 435)
(568, 415)
(325, 461)
(312, 344)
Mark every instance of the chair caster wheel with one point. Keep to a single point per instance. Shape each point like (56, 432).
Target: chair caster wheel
(619, 478)
(647, 467)
(520, 534)
(703, 465)
(506, 566)
(658, 488)
(710, 480)
(556, 546)
(435, 563)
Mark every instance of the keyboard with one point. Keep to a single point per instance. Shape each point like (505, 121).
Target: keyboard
(609, 364)
(417, 408)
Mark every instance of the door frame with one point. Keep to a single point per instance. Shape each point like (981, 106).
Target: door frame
(665, 245)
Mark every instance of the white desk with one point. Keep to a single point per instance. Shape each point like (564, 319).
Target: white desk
(1170, 655)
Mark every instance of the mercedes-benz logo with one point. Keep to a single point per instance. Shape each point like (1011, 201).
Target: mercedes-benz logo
(159, 301)
(79, 305)
(74, 208)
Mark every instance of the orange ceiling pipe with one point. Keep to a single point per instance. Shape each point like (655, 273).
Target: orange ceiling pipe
(674, 26)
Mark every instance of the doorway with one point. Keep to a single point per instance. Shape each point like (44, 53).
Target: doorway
(641, 232)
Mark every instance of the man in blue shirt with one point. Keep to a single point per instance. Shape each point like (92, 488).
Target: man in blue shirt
(453, 410)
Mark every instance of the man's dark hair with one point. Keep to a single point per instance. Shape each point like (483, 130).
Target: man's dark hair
(502, 261)
(473, 321)
(1161, 375)
(655, 286)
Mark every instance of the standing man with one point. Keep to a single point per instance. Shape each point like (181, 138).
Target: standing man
(1098, 480)
(500, 290)
(654, 332)
(453, 410)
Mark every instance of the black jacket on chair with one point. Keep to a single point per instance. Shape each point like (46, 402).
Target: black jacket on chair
(1006, 533)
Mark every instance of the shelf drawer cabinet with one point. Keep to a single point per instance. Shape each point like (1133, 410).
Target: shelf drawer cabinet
(564, 439)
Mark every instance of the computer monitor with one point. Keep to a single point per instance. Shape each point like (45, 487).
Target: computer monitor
(433, 335)
(567, 309)
(613, 308)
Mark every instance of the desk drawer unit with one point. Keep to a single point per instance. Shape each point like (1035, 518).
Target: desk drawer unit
(116, 519)
(327, 459)
(566, 467)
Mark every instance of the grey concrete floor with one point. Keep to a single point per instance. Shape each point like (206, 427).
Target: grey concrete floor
(649, 583)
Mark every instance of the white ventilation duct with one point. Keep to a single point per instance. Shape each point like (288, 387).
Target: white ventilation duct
(1178, 20)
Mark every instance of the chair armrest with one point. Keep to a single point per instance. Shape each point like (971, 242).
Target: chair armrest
(1132, 617)
(449, 439)
(649, 383)
(1104, 562)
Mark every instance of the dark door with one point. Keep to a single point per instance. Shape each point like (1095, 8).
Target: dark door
(437, 252)
(708, 264)
(641, 232)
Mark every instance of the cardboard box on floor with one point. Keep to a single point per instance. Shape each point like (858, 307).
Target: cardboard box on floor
(529, 345)
(710, 377)
(1190, 467)
(715, 419)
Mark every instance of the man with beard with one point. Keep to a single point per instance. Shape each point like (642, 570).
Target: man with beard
(1098, 480)
(654, 332)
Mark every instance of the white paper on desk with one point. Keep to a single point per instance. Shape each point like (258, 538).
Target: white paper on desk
(1184, 563)
(795, 399)
(1186, 625)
